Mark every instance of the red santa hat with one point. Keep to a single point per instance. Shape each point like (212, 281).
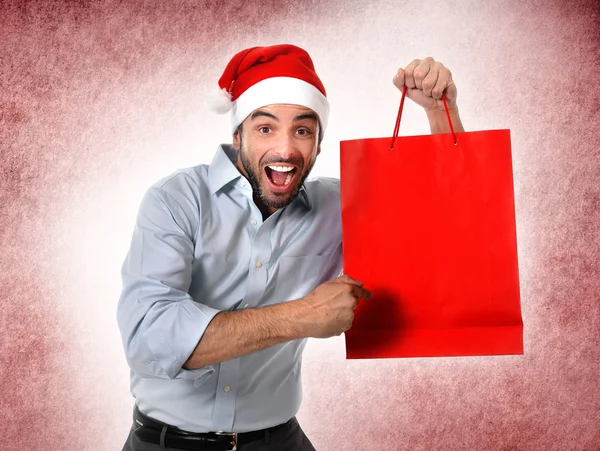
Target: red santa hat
(261, 76)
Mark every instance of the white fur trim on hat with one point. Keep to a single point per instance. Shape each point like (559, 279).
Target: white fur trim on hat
(278, 90)
(219, 101)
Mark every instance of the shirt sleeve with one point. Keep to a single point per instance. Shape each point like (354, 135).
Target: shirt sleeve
(160, 323)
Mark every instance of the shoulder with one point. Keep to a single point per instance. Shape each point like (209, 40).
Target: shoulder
(178, 195)
(325, 212)
(183, 182)
(183, 187)
(323, 191)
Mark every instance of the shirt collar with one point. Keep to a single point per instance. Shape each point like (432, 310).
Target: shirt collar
(222, 171)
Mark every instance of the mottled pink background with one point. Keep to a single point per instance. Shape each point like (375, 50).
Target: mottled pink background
(100, 99)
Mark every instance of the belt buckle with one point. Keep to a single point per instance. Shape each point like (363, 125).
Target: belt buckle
(234, 438)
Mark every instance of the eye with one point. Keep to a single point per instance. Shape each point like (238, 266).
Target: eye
(264, 129)
(303, 132)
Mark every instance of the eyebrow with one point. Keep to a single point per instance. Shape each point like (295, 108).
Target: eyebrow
(301, 117)
(263, 113)
(298, 118)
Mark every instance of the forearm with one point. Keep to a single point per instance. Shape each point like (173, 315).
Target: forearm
(234, 334)
(438, 121)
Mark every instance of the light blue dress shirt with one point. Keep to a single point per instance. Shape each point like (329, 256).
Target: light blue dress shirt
(199, 247)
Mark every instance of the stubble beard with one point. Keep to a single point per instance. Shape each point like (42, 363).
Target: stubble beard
(254, 177)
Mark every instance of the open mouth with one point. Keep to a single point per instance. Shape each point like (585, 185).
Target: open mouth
(280, 175)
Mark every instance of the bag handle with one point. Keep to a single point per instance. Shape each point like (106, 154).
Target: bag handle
(397, 127)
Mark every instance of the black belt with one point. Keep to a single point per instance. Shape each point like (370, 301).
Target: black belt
(153, 431)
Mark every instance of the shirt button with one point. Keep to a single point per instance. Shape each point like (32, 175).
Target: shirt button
(226, 388)
(246, 306)
(259, 264)
(253, 222)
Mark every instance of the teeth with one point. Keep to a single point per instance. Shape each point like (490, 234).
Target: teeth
(287, 179)
(282, 168)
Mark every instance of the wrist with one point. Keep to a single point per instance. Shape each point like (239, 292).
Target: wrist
(298, 312)
(438, 120)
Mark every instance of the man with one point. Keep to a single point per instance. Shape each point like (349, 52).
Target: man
(233, 265)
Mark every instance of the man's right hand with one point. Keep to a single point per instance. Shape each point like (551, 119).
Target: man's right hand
(329, 309)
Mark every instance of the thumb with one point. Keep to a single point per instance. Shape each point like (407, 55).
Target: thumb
(399, 78)
(349, 280)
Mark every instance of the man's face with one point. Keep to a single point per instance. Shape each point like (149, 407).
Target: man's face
(277, 150)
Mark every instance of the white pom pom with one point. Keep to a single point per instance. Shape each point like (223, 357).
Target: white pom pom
(220, 101)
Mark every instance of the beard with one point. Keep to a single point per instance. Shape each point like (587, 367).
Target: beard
(256, 176)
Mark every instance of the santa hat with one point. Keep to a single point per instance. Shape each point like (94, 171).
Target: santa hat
(261, 76)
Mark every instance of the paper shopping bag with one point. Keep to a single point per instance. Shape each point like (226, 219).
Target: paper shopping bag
(428, 225)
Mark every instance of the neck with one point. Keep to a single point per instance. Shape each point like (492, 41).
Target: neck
(265, 210)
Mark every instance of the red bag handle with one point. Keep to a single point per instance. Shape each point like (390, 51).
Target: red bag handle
(397, 127)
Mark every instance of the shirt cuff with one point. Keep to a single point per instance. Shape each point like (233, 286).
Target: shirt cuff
(171, 348)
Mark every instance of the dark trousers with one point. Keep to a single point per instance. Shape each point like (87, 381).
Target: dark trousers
(289, 438)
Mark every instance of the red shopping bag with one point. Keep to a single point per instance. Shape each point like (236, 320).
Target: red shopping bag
(428, 225)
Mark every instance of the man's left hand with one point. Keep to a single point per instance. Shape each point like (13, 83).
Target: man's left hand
(426, 80)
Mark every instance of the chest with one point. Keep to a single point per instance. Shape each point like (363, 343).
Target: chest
(242, 262)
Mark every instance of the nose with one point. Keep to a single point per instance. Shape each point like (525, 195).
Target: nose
(285, 147)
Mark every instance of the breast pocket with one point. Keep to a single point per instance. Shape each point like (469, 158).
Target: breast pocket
(297, 276)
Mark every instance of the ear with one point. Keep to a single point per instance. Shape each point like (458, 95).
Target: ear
(236, 140)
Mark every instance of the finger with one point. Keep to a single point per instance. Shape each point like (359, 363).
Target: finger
(444, 81)
(451, 94)
(347, 323)
(421, 71)
(431, 79)
(347, 279)
(398, 79)
(449, 89)
(408, 74)
(361, 293)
